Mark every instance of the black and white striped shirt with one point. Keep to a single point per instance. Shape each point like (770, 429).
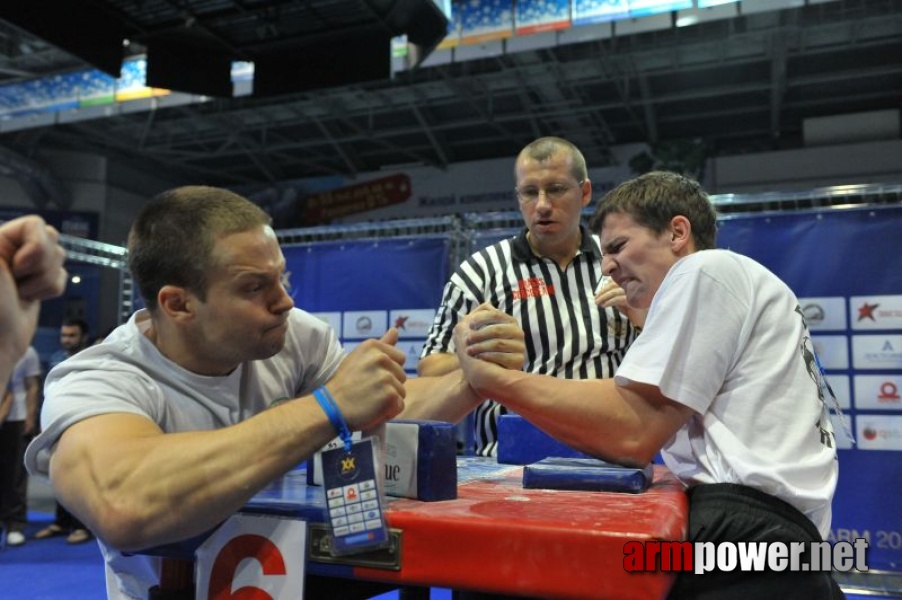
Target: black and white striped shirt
(567, 335)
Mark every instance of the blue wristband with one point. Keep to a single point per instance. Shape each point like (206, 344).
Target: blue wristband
(327, 403)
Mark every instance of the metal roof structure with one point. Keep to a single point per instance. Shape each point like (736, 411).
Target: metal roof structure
(742, 84)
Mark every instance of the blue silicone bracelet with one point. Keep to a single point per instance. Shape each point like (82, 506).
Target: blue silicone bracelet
(327, 403)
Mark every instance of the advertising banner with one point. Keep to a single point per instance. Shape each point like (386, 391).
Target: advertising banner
(362, 288)
(844, 265)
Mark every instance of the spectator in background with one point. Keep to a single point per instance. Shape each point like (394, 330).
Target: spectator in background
(18, 415)
(74, 337)
(546, 278)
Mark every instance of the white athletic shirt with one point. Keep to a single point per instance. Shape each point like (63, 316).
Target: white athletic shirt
(725, 337)
(126, 373)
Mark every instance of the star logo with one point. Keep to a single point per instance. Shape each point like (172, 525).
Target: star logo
(348, 464)
(401, 321)
(866, 311)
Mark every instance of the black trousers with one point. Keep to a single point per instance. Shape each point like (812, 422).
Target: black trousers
(726, 512)
(13, 513)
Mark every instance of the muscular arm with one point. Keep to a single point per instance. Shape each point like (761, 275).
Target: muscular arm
(626, 425)
(136, 486)
(31, 269)
(442, 392)
(503, 344)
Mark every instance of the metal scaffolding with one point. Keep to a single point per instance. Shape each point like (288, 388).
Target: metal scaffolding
(463, 231)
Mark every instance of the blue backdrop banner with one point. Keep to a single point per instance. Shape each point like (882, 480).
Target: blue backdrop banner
(364, 287)
(844, 265)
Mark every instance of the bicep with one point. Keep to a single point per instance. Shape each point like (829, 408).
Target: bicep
(97, 450)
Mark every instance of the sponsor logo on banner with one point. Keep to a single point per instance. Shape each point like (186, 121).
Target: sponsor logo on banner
(876, 312)
(881, 392)
(877, 351)
(824, 314)
(412, 323)
(832, 350)
(363, 324)
(332, 318)
(840, 386)
(412, 349)
(842, 439)
(879, 432)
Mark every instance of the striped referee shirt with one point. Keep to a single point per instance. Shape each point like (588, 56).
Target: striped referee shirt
(567, 335)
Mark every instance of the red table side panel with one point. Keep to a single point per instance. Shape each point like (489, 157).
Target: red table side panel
(498, 537)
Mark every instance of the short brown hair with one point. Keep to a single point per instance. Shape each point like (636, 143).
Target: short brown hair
(171, 242)
(654, 199)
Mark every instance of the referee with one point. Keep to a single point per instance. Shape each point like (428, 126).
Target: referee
(546, 278)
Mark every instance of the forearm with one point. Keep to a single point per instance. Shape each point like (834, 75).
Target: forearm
(437, 364)
(594, 416)
(142, 488)
(446, 398)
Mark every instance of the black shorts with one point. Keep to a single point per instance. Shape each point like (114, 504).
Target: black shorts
(726, 512)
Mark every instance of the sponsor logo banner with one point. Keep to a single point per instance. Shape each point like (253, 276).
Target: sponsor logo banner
(878, 392)
(877, 351)
(364, 324)
(411, 322)
(832, 350)
(824, 314)
(876, 312)
(879, 432)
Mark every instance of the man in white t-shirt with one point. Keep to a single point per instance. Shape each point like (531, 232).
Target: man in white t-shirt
(723, 382)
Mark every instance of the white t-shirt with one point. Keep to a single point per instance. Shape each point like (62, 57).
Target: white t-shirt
(725, 337)
(28, 366)
(126, 373)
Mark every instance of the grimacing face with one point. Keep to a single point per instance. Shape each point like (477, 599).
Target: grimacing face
(245, 313)
(635, 257)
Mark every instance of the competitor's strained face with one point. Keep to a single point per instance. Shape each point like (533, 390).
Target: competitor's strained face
(635, 257)
(245, 313)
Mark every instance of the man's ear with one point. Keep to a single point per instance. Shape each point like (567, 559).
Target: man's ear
(587, 192)
(681, 240)
(176, 302)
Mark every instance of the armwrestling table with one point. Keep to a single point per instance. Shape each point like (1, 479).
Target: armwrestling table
(496, 536)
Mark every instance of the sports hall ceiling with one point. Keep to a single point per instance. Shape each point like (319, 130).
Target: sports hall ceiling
(743, 84)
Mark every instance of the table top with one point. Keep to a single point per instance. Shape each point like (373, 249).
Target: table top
(499, 537)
